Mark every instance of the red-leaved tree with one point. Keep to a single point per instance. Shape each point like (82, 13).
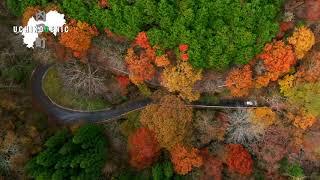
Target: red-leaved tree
(238, 159)
(212, 166)
(312, 10)
(143, 148)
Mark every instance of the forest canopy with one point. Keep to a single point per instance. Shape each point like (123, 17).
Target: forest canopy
(220, 33)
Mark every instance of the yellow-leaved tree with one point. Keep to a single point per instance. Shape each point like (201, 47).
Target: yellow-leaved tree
(264, 117)
(302, 39)
(170, 119)
(181, 78)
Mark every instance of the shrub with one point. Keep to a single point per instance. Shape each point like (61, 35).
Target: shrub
(293, 170)
(81, 155)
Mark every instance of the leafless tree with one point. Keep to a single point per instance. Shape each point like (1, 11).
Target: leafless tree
(241, 130)
(82, 78)
(212, 82)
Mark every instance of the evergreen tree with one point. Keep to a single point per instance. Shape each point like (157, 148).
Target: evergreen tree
(71, 156)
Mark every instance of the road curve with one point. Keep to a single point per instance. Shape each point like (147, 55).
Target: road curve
(70, 116)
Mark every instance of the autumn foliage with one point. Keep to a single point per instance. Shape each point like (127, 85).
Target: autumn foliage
(139, 66)
(170, 120)
(212, 166)
(28, 13)
(114, 36)
(312, 10)
(184, 159)
(123, 82)
(286, 84)
(302, 119)
(263, 116)
(239, 81)
(182, 78)
(142, 40)
(103, 3)
(302, 39)
(79, 37)
(273, 147)
(238, 159)
(310, 70)
(277, 60)
(162, 61)
(140, 58)
(143, 148)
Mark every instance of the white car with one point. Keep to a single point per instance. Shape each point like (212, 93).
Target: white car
(251, 103)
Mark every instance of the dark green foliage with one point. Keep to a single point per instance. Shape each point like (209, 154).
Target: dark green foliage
(219, 33)
(162, 171)
(18, 70)
(17, 7)
(88, 11)
(291, 169)
(209, 99)
(80, 156)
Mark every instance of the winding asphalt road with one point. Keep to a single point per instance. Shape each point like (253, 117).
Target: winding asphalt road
(70, 116)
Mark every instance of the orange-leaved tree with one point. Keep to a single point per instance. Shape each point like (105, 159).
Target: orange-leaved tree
(264, 117)
(277, 59)
(143, 148)
(79, 37)
(28, 13)
(182, 78)
(139, 67)
(162, 61)
(302, 119)
(170, 120)
(184, 159)
(238, 159)
(302, 39)
(239, 81)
